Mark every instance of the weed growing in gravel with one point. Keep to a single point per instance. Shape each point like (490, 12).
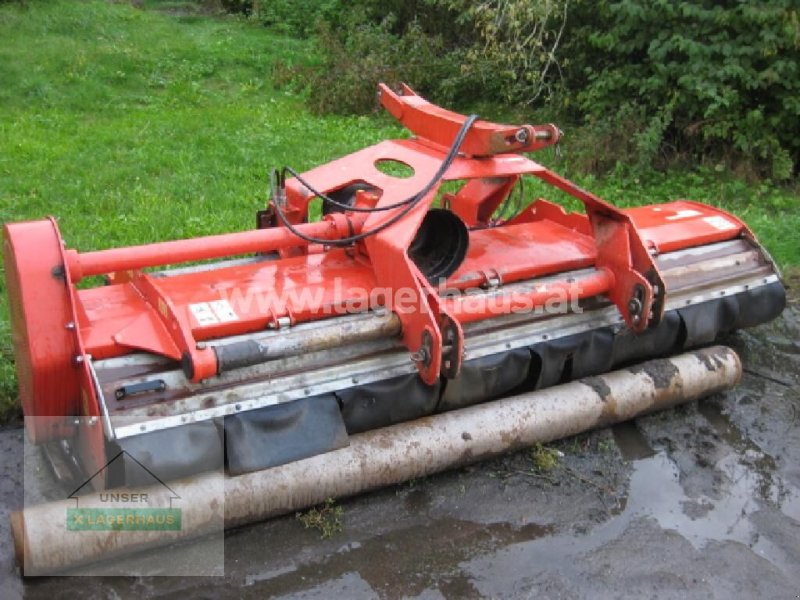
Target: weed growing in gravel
(326, 518)
(545, 458)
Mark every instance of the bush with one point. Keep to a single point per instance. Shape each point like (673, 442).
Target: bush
(656, 81)
(716, 81)
(295, 17)
(346, 84)
(513, 45)
(453, 51)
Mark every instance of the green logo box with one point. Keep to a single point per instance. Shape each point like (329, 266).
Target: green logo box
(123, 519)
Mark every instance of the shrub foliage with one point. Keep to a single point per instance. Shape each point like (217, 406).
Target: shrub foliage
(715, 81)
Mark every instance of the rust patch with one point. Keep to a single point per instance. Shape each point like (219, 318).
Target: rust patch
(709, 358)
(383, 442)
(599, 385)
(507, 438)
(609, 414)
(662, 372)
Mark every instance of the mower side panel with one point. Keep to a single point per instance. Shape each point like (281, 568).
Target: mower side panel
(41, 312)
(682, 224)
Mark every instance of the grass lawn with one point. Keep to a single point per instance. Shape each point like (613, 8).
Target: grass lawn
(135, 125)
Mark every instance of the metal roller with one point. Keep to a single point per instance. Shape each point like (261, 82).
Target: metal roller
(388, 456)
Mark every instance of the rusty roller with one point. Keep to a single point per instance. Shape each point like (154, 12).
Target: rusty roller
(389, 455)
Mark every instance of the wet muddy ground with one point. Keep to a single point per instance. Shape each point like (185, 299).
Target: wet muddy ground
(702, 501)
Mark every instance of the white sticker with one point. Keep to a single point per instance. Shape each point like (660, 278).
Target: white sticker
(684, 214)
(203, 313)
(720, 223)
(212, 313)
(224, 311)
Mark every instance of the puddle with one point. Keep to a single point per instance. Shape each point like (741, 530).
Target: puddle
(752, 470)
(389, 564)
(747, 484)
(348, 585)
(655, 495)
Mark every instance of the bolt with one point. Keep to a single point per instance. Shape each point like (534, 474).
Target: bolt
(70, 325)
(521, 135)
(634, 306)
(201, 345)
(420, 356)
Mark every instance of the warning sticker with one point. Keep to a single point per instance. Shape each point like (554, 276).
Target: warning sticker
(212, 313)
(203, 314)
(718, 222)
(224, 311)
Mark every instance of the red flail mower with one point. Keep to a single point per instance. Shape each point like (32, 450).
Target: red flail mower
(412, 294)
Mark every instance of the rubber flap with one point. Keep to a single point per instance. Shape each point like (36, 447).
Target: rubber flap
(170, 453)
(486, 378)
(572, 357)
(387, 402)
(662, 340)
(705, 321)
(275, 435)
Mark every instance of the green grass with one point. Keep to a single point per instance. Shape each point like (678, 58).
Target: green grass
(135, 125)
